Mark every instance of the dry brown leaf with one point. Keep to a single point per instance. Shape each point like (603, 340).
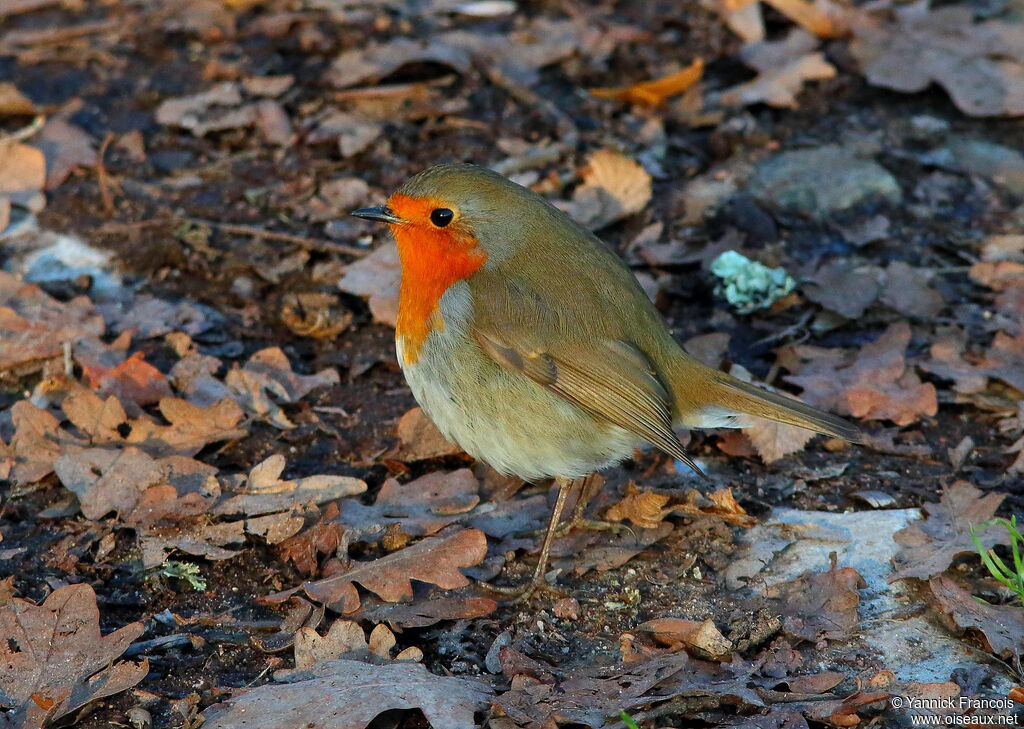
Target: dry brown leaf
(656, 91)
(419, 439)
(66, 147)
(998, 275)
(268, 379)
(434, 560)
(614, 187)
(216, 109)
(643, 508)
(720, 504)
(744, 18)
(776, 440)
(266, 492)
(424, 612)
(344, 636)
(1000, 626)
(377, 278)
(929, 546)
(820, 605)
(13, 102)
(779, 86)
(843, 287)
(53, 659)
(191, 427)
(873, 383)
(34, 326)
(132, 381)
(199, 538)
(701, 639)
(345, 694)
(981, 65)
(823, 18)
(948, 359)
(22, 169)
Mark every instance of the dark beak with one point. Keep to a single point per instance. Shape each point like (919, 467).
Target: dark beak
(380, 213)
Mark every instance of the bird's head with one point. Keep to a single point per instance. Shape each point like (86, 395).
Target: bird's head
(458, 211)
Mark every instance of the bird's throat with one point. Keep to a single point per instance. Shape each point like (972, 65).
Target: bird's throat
(432, 261)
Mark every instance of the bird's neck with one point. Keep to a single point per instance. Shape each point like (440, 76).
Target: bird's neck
(432, 261)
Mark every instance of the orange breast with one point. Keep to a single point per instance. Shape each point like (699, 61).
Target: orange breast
(432, 260)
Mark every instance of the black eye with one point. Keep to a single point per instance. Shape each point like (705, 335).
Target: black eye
(441, 216)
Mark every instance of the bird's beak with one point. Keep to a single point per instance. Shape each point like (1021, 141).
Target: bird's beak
(380, 213)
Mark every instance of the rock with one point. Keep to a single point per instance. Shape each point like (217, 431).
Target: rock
(821, 181)
(1001, 165)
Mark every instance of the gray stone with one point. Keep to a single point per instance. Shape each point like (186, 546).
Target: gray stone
(1001, 165)
(821, 181)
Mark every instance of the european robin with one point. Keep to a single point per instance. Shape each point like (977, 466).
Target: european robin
(528, 341)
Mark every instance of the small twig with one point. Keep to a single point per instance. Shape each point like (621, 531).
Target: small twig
(102, 178)
(311, 244)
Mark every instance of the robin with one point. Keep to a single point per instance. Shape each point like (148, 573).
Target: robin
(528, 341)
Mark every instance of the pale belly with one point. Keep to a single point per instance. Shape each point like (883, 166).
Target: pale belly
(504, 419)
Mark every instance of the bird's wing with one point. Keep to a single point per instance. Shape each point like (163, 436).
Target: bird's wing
(610, 379)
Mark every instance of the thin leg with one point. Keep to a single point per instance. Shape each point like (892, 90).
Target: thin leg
(564, 486)
(537, 581)
(588, 488)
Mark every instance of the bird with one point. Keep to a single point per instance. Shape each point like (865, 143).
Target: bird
(529, 342)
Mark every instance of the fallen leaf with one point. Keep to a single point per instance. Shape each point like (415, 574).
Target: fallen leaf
(843, 287)
(132, 381)
(605, 553)
(700, 639)
(1000, 626)
(821, 605)
(344, 636)
(344, 694)
(216, 109)
(53, 659)
(656, 91)
(266, 492)
(199, 538)
(419, 508)
(13, 102)
(873, 383)
(594, 696)
(646, 509)
(324, 537)
(376, 277)
(783, 67)
(22, 171)
(928, 546)
(776, 440)
(906, 289)
(614, 187)
(434, 560)
(419, 439)
(267, 378)
(823, 18)
(375, 61)
(981, 65)
(720, 504)
(424, 612)
(66, 148)
(34, 326)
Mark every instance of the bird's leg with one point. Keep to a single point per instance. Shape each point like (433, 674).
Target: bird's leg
(588, 487)
(537, 582)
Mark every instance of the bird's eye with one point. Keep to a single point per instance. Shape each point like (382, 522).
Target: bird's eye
(441, 216)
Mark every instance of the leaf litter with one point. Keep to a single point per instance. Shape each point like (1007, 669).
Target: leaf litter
(128, 434)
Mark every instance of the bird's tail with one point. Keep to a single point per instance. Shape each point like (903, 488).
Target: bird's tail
(708, 398)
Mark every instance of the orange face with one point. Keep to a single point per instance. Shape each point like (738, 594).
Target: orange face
(436, 250)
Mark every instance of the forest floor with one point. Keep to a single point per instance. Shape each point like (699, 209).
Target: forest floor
(208, 452)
